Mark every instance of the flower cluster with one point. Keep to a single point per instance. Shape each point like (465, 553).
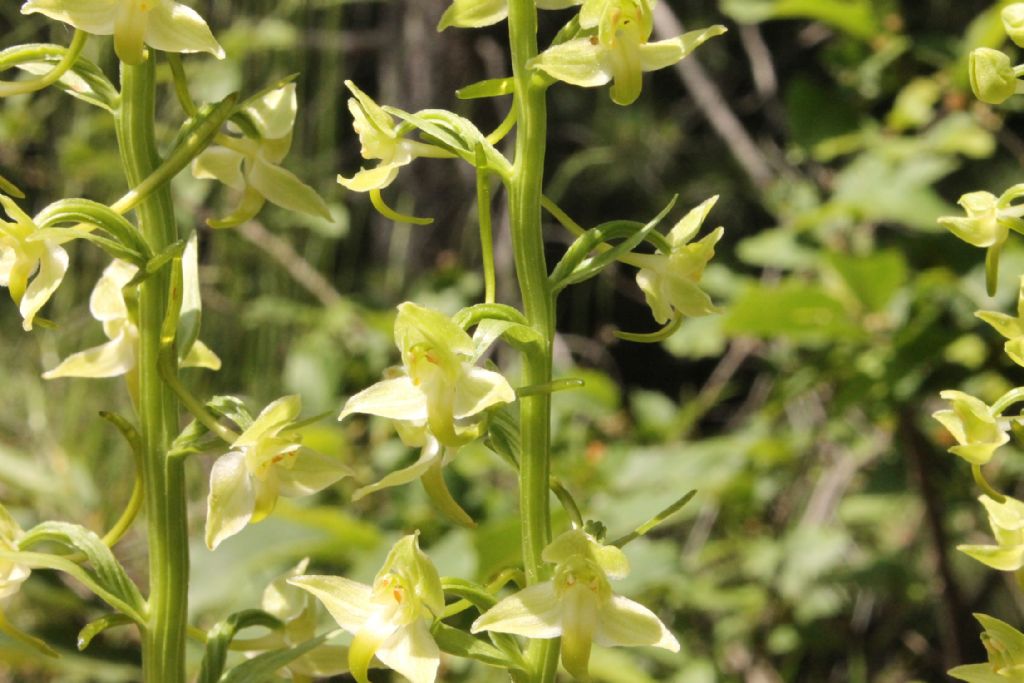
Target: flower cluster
(994, 78)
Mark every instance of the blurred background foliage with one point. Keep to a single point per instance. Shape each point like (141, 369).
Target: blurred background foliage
(820, 544)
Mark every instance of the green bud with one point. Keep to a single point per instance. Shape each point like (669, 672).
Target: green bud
(992, 77)
(1013, 22)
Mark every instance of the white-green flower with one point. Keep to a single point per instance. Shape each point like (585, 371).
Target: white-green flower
(390, 619)
(12, 574)
(252, 165)
(381, 139)
(1010, 327)
(578, 605)
(670, 283)
(478, 13)
(1007, 522)
(974, 425)
(440, 384)
(1005, 647)
(617, 50)
(107, 305)
(266, 461)
(23, 258)
(161, 24)
(982, 226)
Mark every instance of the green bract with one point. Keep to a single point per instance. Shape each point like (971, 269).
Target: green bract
(390, 619)
(578, 605)
(477, 13)
(12, 574)
(162, 24)
(252, 166)
(1005, 647)
(974, 426)
(380, 139)
(1007, 522)
(265, 462)
(23, 258)
(1013, 22)
(992, 77)
(670, 282)
(616, 49)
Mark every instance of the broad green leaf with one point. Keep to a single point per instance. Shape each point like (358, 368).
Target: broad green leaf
(874, 278)
(795, 310)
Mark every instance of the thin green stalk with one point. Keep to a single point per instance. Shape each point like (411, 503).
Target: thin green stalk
(525, 192)
(163, 645)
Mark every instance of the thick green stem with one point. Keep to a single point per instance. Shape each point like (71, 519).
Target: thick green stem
(163, 646)
(525, 191)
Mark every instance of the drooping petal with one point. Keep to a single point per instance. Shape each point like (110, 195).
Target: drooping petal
(412, 652)
(478, 389)
(250, 204)
(396, 399)
(663, 53)
(92, 16)
(53, 264)
(112, 359)
(428, 455)
(310, 472)
(283, 188)
(270, 420)
(347, 601)
(578, 61)
(376, 178)
(173, 27)
(579, 617)
(367, 642)
(534, 612)
(232, 499)
(624, 622)
(220, 163)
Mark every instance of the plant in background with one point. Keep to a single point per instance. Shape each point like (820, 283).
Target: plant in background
(444, 397)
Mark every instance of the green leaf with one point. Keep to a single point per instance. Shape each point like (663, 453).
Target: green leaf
(461, 644)
(795, 310)
(875, 278)
(220, 636)
(492, 87)
(98, 626)
(263, 667)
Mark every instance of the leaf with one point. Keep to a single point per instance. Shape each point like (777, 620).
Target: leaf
(262, 667)
(220, 636)
(875, 278)
(461, 644)
(98, 626)
(795, 310)
(232, 408)
(492, 87)
(856, 17)
(84, 81)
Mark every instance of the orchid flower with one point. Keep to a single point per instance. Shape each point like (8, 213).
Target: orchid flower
(12, 574)
(617, 50)
(23, 258)
(381, 139)
(1007, 522)
(1005, 647)
(252, 165)
(266, 461)
(439, 384)
(161, 24)
(578, 605)
(993, 78)
(390, 619)
(974, 425)
(670, 282)
(478, 13)
(1012, 328)
(107, 305)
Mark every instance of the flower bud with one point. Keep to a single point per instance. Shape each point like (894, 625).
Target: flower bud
(1013, 22)
(992, 77)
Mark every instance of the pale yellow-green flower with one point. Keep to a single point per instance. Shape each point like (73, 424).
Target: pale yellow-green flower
(252, 165)
(1005, 647)
(31, 269)
(974, 425)
(390, 619)
(578, 605)
(993, 78)
(266, 461)
(161, 24)
(1011, 327)
(12, 574)
(1007, 522)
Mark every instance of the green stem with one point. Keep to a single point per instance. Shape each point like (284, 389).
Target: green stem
(525, 192)
(163, 645)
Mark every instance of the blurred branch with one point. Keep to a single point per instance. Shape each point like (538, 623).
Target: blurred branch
(281, 251)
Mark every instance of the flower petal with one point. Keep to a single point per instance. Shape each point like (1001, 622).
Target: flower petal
(624, 622)
(417, 325)
(688, 226)
(576, 61)
(579, 617)
(53, 264)
(376, 178)
(1004, 559)
(478, 389)
(173, 27)
(347, 601)
(201, 356)
(220, 163)
(534, 612)
(663, 53)
(274, 113)
(112, 359)
(283, 188)
(412, 652)
(473, 13)
(428, 455)
(396, 399)
(92, 16)
(232, 499)
(310, 472)
(271, 419)
(106, 303)
(130, 31)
